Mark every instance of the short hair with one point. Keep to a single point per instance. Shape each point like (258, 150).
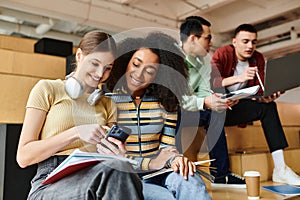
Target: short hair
(192, 25)
(245, 27)
(200, 19)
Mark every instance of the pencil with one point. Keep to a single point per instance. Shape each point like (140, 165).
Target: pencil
(260, 82)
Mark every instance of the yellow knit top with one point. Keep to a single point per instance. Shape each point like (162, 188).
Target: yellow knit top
(64, 113)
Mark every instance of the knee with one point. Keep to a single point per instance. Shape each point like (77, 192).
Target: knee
(271, 105)
(118, 165)
(194, 181)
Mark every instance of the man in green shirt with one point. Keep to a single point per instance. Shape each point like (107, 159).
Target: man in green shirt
(195, 36)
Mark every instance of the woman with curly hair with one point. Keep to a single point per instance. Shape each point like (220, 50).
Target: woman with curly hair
(147, 83)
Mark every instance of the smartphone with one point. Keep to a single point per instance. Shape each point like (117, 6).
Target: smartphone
(120, 133)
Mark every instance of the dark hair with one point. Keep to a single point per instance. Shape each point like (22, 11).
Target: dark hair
(199, 19)
(192, 25)
(245, 27)
(171, 77)
(126, 49)
(95, 41)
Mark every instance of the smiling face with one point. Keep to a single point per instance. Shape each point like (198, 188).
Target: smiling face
(245, 44)
(93, 68)
(141, 70)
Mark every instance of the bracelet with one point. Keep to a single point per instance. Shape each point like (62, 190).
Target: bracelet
(169, 162)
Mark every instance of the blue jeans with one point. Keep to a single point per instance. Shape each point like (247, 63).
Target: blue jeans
(173, 186)
(213, 122)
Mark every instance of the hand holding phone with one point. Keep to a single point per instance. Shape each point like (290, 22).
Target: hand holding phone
(120, 133)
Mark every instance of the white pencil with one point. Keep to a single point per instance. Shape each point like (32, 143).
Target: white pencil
(203, 161)
(260, 82)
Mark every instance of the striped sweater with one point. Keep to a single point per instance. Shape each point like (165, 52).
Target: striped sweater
(152, 127)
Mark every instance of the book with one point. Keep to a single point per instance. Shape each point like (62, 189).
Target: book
(197, 163)
(285, 190)
(242, 93)
(79, 160)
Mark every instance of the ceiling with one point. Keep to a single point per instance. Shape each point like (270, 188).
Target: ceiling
(278, 21)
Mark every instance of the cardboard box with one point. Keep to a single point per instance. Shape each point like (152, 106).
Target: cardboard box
(14, 92)
(262, 162)
(17, 43)
(31, 64)
(252, 138)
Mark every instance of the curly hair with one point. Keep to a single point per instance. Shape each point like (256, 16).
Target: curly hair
(170, 83)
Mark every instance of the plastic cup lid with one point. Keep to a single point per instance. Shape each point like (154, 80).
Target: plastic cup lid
(251, 173)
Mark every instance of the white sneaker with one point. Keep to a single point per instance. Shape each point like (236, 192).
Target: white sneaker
(286, 175)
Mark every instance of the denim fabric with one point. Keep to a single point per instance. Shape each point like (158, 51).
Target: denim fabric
(213, 122)
(111, 180)
(173, 186)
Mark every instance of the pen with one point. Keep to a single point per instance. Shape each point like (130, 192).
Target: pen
(260, 82)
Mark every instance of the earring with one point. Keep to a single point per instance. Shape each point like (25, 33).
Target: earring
(73, 88)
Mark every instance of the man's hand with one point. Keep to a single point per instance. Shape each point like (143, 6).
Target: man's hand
(248, 74)
(269, 98)
(215, 102)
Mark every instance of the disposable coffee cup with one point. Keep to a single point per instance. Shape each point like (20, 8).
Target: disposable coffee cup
(252, 184)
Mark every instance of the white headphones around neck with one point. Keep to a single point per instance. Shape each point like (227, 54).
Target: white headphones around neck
(75, 89)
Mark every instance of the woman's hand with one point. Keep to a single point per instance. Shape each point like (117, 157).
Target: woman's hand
(91, 133)
(183, 165)
(164, 155)
(111, 146)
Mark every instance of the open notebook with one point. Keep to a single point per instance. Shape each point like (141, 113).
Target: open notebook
(242, 93)
(79, 160)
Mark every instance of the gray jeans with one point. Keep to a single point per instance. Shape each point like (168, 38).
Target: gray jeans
(106, 180)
